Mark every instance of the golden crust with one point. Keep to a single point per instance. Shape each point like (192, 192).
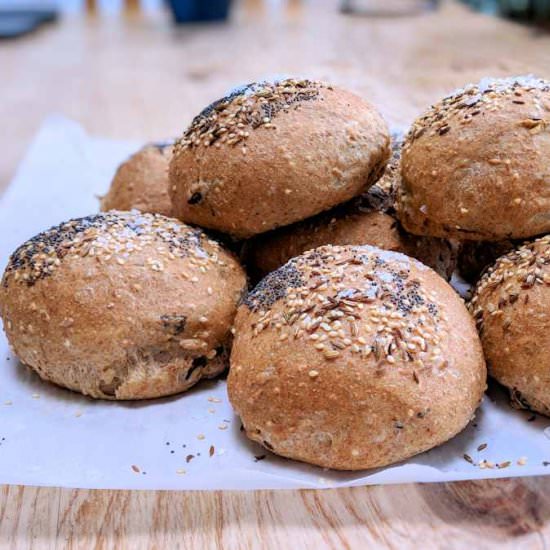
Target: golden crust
(273, 154)
(141, 182)
(474, 166)
(121, 305)
(510, 305)
(353, 357)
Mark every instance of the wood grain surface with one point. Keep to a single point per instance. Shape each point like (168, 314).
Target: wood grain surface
(138, 77)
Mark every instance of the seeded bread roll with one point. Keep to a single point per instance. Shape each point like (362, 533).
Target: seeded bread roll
(475, 165)
(368, 219)
(141, 182)
(271, 154)
(121, 305)
(354, 357)
(510, 305)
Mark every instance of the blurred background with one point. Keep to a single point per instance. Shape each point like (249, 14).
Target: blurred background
(141, 69)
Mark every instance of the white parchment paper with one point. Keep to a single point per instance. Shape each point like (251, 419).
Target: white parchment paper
(51, 436)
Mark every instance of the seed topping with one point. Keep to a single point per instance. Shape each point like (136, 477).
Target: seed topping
(353, 300)
(231, 119)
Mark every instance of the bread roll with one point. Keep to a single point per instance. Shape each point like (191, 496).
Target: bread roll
(141, 182)
(353, 357)
(475, 165)
(511, 307)
(271, 154)
(368, 219)
(121, 305)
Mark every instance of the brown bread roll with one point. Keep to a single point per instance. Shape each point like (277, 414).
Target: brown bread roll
(121, 305)
(352, 357)
(271, 154)
(512, 314)
(476, 165)
(368, 219)
(141, 182)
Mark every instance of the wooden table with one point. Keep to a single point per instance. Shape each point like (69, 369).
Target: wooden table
(138, 77)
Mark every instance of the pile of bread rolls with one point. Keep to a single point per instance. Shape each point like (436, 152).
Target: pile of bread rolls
(352, 350)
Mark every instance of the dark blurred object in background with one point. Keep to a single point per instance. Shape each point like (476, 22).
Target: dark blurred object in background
(191, 11)
(533, 11)
(20, 21)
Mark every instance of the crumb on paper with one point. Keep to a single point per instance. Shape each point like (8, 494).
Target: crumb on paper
(214, 400)
(181, 471)
(522, 461)
(223, 427)
(189, 458)
(200, 437)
